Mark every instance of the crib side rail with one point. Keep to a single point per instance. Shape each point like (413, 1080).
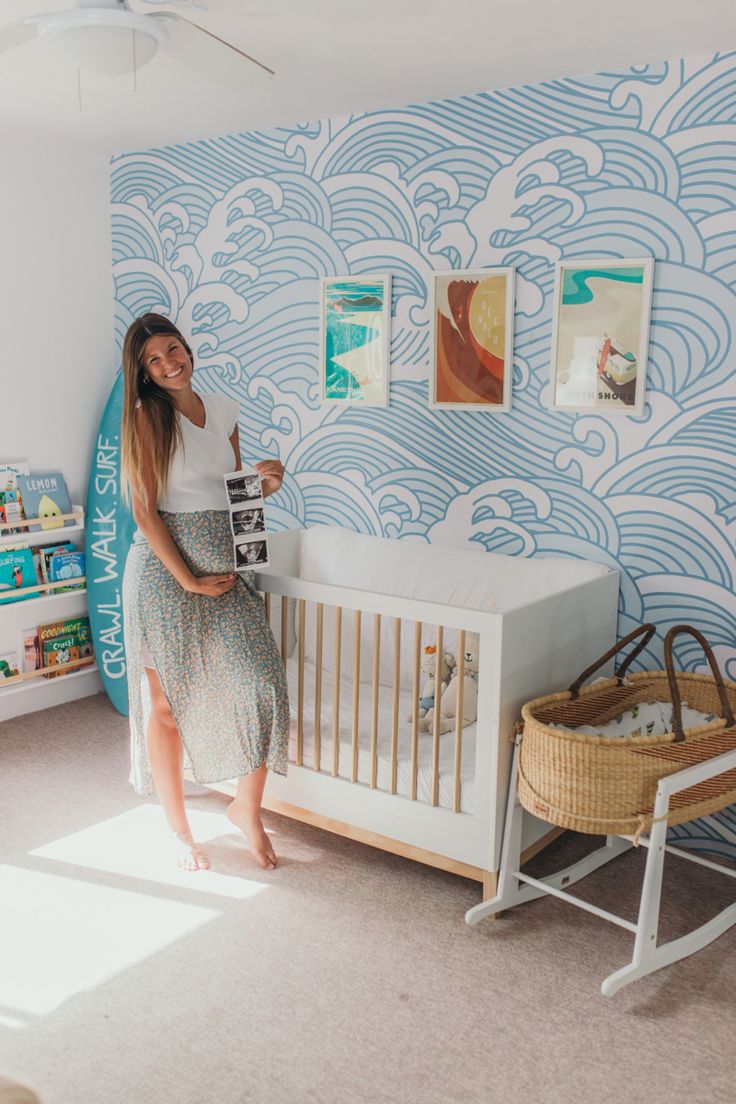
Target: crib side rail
(351, 705)
(409, 609)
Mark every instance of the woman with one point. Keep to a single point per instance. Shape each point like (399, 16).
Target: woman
(204, 674)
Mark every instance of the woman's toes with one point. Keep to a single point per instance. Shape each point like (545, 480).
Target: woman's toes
(189, 855)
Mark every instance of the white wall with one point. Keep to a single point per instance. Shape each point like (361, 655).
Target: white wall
(56, 328)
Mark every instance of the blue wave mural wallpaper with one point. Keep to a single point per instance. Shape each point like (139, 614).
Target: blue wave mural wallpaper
(230, 237)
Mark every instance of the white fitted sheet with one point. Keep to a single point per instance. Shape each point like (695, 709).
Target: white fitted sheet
(385, 721)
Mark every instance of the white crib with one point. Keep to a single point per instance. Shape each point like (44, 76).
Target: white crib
(351, 614)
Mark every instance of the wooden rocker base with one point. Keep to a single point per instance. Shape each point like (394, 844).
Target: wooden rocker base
(516, 888)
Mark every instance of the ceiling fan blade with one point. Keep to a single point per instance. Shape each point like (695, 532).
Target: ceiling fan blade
(31, 9)
(17, 34)
(212, 57)
(306, 9)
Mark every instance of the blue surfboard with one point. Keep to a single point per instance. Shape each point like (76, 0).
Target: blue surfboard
(109, 535)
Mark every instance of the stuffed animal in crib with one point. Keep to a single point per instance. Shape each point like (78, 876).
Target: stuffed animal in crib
(428, 667)
(448, 704)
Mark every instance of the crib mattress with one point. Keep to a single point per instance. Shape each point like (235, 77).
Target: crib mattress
(385, 721)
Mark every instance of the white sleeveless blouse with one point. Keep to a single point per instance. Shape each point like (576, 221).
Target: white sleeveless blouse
(201, 460)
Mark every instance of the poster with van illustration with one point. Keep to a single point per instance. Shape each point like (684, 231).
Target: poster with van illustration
(601, 335)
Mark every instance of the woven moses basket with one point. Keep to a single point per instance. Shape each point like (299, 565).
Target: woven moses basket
(606, 785)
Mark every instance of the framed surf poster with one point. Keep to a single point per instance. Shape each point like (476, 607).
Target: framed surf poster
(472, 340)
(355, 334)
(601, 335)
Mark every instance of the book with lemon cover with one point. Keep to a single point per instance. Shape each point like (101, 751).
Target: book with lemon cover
(45, 497)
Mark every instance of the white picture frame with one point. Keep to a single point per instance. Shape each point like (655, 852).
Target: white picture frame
(359, 372)
(478, 374)
(600, 320)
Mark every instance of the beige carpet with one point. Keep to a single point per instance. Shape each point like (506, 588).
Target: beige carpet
(344, 976)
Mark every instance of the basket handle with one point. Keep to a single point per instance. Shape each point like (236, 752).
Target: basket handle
(647, 631)
(675, 689)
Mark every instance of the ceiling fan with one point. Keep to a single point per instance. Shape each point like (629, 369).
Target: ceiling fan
(113, 37)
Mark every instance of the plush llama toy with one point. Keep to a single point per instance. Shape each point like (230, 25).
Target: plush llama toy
(448, 704)
(428, 666)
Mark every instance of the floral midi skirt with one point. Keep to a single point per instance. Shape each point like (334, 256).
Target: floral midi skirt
(216, 658)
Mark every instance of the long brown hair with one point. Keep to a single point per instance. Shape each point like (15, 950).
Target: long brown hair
(156, 409)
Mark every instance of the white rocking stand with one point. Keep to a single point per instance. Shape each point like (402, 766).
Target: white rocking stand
(515, 888)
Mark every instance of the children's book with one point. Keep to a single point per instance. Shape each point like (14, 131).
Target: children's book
(30, 649)
(52, 630)
(63, 650)
(10, 511)
(9, 665)
(11, 505)
(9, 473)
(45, 496)
(66, 565)
(46, 552)
(56, 636)
(16, 572)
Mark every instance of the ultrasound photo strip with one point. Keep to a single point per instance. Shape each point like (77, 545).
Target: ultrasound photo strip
(244, 488)
(247, 519)
(251, 552)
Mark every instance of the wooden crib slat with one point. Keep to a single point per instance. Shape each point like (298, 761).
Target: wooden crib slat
(300, 688)
(317, 757)
(284, 626)
(267, 605)
(395, 718)
(459, 717)
(356, 696)
(374, 717)
(415, 711)
(336, 697)
(437, 717)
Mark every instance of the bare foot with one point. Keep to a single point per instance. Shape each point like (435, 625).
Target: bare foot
(189, 855)
(250, 824)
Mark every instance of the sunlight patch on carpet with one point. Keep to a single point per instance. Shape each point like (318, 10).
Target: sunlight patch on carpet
(137, 844)
(60, 936)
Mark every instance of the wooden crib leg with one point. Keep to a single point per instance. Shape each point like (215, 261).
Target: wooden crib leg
(490, 884)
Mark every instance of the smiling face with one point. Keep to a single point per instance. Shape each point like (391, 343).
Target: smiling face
(167, 362)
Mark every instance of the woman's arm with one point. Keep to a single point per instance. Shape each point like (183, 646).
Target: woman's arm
(159, 538)
(270, 471)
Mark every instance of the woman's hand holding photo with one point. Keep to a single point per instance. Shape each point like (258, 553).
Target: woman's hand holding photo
(272, 474)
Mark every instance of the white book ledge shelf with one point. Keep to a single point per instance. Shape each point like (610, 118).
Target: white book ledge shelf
(78, 582)
(21, 531)
(515, 888)
(44, 602)
(57, 669)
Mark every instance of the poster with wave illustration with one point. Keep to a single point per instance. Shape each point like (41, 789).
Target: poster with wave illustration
(601, 334)
(472, 343)
(355, 320)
